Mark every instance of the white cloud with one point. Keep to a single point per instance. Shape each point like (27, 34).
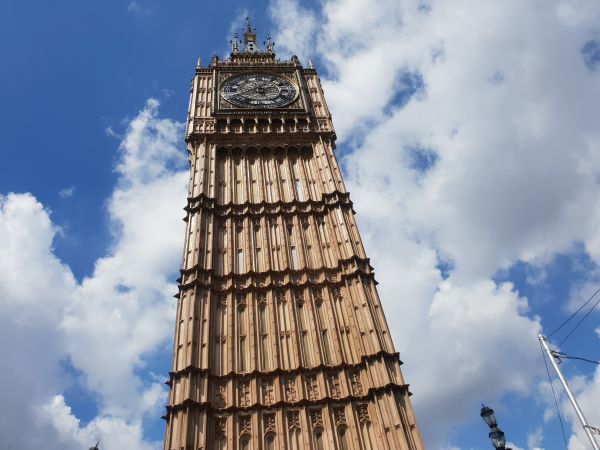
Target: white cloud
(297, 26)
(107, 325)
(507, 107)
(126, 303)
(111, 432)
(66, 192)
(134, 7)
(535, 439)
(35, 288)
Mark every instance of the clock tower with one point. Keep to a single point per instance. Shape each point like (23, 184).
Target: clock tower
(280, 338)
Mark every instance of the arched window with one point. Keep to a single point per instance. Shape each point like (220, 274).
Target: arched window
(221, 333)
(305, 351)
(292, 243)
(239, 238)
(295, 431)
(322, 324)
(242, 328)
(258, 255)
(263, 333)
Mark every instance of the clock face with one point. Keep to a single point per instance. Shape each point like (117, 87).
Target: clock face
(259, 90)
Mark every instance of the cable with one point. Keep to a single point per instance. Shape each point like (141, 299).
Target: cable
(562, 355)
(554, 395)
(579, 323)
(573, 315)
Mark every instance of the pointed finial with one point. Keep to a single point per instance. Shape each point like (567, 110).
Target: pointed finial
(269, 44)
(248, 26)
(199, 63)
(234, 43)
(310, 63)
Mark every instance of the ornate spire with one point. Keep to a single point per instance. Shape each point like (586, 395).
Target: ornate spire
(250, 38)
(247, 49)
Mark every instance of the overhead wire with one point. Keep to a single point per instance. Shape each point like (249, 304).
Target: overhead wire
(575, 313)
(560, 355)
(562, 427)
(582, 319)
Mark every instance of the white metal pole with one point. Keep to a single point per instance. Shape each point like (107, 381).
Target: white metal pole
(586, 427)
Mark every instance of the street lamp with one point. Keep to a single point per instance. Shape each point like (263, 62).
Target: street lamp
(496, 434)
(497, 438)
(487, 414)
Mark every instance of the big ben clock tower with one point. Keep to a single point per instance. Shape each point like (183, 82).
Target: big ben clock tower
(280, 340)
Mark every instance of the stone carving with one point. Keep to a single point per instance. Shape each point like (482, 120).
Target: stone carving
(336, 293)
(222, 301)
(362, 410)
(261, 297)
(294, 420)
(241, 301)
(269, 423)
(221, 395)
(339, 416)
(312, 387)
(299, 295)
(245, 425)
(220, 426)
(244, 393)
(281, 298)
(317, 294)
(316, 418)
(333, 381)
(268, 391)
(355, 384)
(290, 389)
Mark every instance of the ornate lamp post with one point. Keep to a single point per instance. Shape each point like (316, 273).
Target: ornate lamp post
(496, 434)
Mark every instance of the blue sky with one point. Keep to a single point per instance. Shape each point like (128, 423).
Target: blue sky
(82, 68)
(474, 125)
